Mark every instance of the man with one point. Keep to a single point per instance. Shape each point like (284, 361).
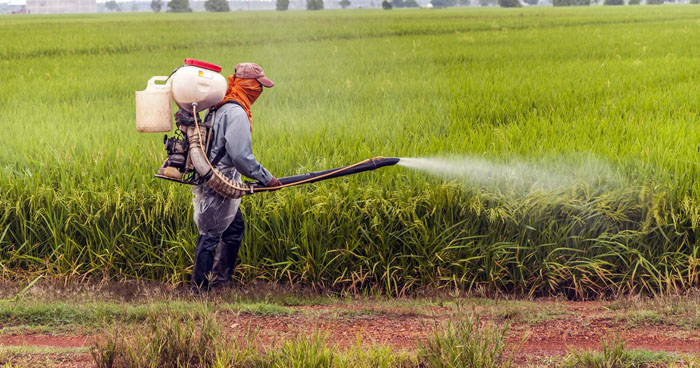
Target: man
(219, 219)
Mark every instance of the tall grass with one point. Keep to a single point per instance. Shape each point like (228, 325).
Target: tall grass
(614, 354)
(169, 341)
(465, 343)
(174, 341)
(78, 199)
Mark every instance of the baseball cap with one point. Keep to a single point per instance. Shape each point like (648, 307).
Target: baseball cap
(253, 71)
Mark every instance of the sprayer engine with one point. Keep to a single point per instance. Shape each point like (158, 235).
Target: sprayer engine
(175, 166)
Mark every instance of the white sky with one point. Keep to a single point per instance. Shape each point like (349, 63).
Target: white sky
(24, 2)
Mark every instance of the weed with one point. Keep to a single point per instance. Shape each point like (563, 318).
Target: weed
(637, 318)
(614, 355)
(526, 312)
(169, 341)
(510, 313)
(466, 343)
(34, 313)
(261, 309)
(303, 352)
(670, 310)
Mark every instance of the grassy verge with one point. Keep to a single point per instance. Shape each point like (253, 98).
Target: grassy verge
(65, 313)
(38, 356)
(683, 312)
(615, 355)
(464, 342)
(49, 307)
(178, 341)
(216, 328)
(174, 340)
(40, 312)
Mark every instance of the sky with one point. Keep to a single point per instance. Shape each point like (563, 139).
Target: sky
(24, 2)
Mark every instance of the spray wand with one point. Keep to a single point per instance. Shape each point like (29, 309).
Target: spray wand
(289, 181)
(365, 165)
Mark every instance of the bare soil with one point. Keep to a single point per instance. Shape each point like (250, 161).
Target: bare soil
(583, 327)
(574, 326)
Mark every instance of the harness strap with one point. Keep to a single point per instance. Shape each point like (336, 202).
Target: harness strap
(219, 155)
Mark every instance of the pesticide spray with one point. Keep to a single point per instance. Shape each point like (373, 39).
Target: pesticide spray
(517, 177)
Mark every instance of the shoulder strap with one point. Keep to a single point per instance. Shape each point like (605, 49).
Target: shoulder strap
(219, 155)
(225, 103)
(210, 129)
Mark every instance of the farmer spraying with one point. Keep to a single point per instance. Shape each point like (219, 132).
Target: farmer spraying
(219, 219)
(214, 153)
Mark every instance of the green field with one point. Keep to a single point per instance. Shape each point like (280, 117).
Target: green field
(537, 85)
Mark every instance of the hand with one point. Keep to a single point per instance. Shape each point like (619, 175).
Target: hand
(161, 169)
(274, 182)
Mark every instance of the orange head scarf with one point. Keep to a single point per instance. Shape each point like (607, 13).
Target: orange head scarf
(244, 92)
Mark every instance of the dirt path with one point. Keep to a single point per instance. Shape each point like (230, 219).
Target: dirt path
(552, 328)
(577, 329)
(46, 340)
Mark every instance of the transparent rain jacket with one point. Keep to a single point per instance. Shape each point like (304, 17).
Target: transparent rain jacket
(213, 213)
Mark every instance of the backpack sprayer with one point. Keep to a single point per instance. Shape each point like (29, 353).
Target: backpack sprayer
(197, 86)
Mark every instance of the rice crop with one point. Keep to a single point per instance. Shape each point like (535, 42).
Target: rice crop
(536, 85)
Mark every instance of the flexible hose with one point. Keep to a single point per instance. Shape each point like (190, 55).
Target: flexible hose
(224, 185)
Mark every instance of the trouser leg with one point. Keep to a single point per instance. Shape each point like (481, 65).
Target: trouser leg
(227, 253)
(204, 259)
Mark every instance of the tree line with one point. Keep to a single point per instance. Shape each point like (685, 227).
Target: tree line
(182, 6)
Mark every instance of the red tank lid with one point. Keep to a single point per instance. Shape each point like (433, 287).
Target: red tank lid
(203, 64)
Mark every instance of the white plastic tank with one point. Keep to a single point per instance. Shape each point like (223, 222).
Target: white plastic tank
(198, 82)
(153, 109)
